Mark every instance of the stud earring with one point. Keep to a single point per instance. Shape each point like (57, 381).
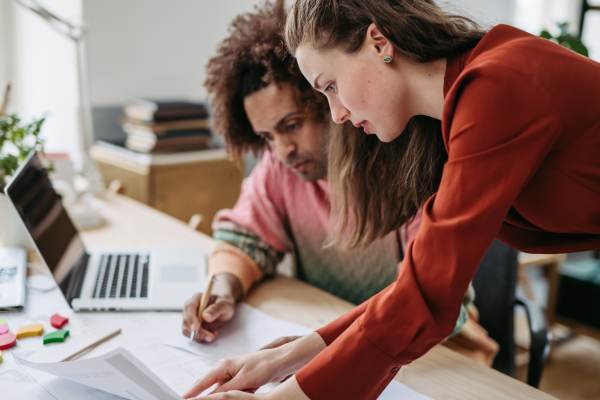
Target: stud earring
(387, 59)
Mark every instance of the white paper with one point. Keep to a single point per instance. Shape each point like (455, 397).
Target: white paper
(144, 335)
(249, 330)
(16, 383)
(117, 372)
(63, 389)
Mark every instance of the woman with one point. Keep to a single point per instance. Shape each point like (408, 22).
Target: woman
(512, 122)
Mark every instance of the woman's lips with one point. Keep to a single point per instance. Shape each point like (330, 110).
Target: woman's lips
(365, 126)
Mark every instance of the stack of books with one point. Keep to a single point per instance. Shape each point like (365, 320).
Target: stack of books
(166, 126)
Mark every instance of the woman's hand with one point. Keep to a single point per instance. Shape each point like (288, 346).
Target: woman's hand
(280, 342)
(289, 390)
(254, 370)
(221, 308)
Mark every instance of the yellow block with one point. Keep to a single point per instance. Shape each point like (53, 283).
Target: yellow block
(30, 330)
(0, 355)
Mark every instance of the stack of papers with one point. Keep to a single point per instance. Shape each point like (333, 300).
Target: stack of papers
(150, 360)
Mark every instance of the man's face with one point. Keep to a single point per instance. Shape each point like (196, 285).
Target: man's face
(295, 138)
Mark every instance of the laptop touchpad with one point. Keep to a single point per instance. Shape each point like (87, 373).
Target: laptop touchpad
(178, 273)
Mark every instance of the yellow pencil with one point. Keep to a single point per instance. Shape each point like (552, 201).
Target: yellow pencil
(204, 303)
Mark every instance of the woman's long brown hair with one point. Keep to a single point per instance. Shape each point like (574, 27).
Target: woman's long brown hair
(376, 187)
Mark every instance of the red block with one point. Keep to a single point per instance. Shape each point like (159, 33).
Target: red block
(57, 321)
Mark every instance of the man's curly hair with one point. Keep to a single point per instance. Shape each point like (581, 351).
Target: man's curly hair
(251, 58)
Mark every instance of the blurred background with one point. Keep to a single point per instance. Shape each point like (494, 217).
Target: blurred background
(158, 49)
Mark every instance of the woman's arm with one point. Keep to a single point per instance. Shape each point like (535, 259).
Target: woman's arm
(496, 142)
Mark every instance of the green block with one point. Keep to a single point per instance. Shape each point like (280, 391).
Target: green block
(56, 337)
(3, 321)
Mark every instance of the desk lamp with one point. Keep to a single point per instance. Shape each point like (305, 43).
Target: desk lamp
(76, 32)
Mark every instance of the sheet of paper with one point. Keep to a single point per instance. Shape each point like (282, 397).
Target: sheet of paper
(249, 330)
(16, 383)
(117, 372)
(144, 335)
(63, 389)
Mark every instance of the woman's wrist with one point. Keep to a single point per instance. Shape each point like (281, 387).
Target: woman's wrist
(295, 355)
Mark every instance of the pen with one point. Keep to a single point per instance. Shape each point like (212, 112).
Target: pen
(204, 303)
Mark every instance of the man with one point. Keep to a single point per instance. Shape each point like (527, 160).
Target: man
(262, 103)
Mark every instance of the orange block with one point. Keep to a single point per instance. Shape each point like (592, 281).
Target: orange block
(30, 330)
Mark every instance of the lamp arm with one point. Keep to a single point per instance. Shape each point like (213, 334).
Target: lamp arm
(71, 30)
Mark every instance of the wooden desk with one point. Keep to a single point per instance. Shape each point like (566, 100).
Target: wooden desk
(441, 374)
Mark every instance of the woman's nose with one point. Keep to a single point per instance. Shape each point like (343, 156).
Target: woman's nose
(339, 113)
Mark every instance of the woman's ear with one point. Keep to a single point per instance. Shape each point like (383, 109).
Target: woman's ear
(377, 43)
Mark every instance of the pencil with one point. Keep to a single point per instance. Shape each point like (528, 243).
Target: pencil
(204, 303)
(91, 346)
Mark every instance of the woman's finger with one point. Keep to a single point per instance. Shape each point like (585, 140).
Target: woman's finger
(234, 384)
(219, 374)
(234, 395)
(280, 342)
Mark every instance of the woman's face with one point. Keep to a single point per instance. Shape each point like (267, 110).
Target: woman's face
(360, 87)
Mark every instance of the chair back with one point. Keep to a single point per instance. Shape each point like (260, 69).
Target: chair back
(495, 284)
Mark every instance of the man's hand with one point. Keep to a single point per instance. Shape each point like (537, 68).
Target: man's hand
(221, 308)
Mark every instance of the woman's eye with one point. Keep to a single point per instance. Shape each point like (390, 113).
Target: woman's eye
(330, 87)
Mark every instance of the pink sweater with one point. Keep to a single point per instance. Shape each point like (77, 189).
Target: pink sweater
(292, 215)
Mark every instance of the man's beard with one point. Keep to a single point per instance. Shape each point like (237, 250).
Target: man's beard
(318, 170)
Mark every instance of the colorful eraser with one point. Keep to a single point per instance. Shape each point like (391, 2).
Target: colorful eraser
(3, 329)
(7, 341)
(56, 337)
(57, 321)
(3, 321)
(30, 330)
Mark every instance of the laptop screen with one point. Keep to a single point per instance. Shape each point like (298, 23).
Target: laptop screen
(44, 216)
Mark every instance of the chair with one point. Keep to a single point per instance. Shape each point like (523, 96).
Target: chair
(495, 298)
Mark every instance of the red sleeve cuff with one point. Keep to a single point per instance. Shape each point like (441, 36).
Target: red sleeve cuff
(350, 368)
(331, 331)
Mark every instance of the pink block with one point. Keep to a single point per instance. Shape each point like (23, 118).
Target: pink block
(3, 329)
(7, 341)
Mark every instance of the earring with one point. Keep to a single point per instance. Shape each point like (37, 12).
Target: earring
(387, 59)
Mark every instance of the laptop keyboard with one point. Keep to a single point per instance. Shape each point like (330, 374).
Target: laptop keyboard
(121, 275)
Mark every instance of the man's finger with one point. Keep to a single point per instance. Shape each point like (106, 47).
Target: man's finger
(205, 335)
(190, 312)
(220, 310)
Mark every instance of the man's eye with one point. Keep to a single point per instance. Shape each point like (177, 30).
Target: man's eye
(267, 137)
(291, 127)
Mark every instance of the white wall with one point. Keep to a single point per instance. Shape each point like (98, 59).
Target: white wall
(154, 48)
(486, 12)
(159, 49)
(41, 65)
(3, 44)
(535, 15)
(146, 48)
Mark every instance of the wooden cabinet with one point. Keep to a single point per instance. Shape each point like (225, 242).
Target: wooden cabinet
(181, 184)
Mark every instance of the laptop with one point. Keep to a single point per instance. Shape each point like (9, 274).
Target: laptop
(107, 278)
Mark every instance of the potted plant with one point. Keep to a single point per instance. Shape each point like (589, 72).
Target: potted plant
(17, 139)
